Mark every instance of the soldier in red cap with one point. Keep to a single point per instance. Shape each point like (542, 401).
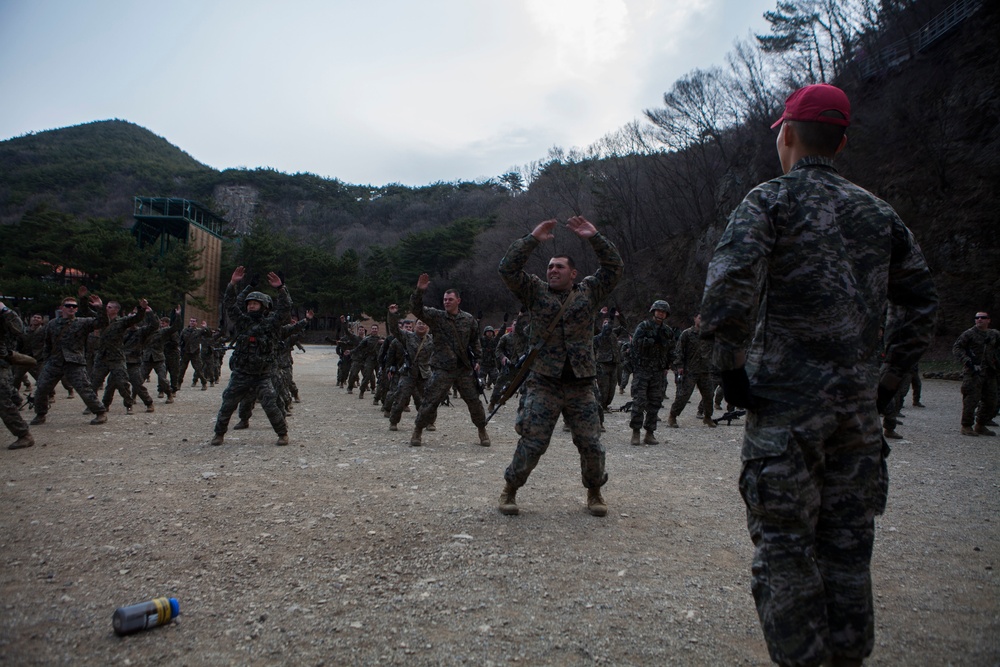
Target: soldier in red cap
(815, 260)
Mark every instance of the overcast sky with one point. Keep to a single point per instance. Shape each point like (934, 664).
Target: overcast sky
(366, 91)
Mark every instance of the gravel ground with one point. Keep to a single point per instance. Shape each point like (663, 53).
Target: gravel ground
(351, 548)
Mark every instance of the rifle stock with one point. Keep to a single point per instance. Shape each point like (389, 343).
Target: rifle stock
(515, 383)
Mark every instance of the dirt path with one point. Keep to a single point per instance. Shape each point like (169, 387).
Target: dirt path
(349, 547)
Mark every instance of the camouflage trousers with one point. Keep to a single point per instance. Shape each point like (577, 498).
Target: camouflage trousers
(162, 380)
(504, 377)
(281, 381)
(54, 370)
(343, 370)
(706, 387)
(437, 390)
(364, 369)
(117, 380)
(409, 386)
(9, 409)
(246, 385)
(979, 398)
(889, 416)
(647, 398)
(174, 370)
(195, 361)
(607, 382)
(138, 383)
(545, 399)
(813, 483)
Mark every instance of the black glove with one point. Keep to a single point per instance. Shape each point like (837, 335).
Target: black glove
(736, 388)
(884, 397)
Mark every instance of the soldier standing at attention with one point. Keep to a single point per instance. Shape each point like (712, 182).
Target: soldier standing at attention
(256, 342)
(561, 380)
(652, 350)
(977, 349)
(455, 333)
(814, 472)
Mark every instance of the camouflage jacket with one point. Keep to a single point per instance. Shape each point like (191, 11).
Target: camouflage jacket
(817, 257)
(135, 337)
(978, 348)
(606, 348)
(652, 346)
(291, 334)
(367, 350)
(110, 348)
(192, 338)
(453, 334)
(570, 348)
(693, 353)
(417, 351)
(154, 351)
(256, 336)
(66, 339)
(489, 346)
(11, 333)
(514, 344)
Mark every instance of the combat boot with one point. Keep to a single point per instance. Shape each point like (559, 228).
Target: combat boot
(24, 441)
(241, 424)
(635, 436)
(508, 500)
(393, 426)
(128, 410)
(966, 430)
(707, 421)
(982, 430)
(595, 503)
(150, 408)
(217, 440)
(282, 440)
(650, 439)
(40, 419)
(204, 386)
(415, 438)
(100, 418)
(891, 434)
(484, 437)
(672, 421)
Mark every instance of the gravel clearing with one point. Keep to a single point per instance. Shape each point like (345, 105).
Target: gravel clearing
(351, 548)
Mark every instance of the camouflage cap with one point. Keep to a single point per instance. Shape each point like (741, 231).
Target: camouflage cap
(660, 304)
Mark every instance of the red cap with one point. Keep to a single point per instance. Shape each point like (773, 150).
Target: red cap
(809, 102)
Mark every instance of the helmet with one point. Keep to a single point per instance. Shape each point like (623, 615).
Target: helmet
(489, 330)
(264, 299)
(660, 304)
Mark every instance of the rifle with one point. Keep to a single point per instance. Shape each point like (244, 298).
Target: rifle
(728, 417)
(523, 365)
(480, 385)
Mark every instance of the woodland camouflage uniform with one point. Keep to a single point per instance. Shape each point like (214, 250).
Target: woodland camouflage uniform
(814, 473)
(109, 360)
(11, 330)
(561, 380)
(652, 351)
(694, 355)
(415, 371)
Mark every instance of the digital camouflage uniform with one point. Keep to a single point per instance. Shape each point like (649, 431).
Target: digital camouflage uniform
(652, 351)
(415, 371)
(345, 346)
(256, 341)
(133, 344)
(11, 331)
(388, 379)
(65, 360)
(510, 348)
(191, 340)
(154, 357)
(172, 352)
(606, 352)
(814, 473)
(450, 362)
(363, 360)
(561, 380)
(281, 376)
(694, 355)
(109, 360)
(488, 370)
(977, 352)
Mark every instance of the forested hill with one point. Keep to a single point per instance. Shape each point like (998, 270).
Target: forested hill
(924, 137)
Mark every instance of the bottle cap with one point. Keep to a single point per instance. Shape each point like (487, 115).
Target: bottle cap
(175, 608)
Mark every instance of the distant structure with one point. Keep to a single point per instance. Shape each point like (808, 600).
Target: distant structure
(167, 221)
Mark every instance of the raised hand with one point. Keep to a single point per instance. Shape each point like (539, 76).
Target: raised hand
(582, 227)
(543, 231)
(423, 281)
